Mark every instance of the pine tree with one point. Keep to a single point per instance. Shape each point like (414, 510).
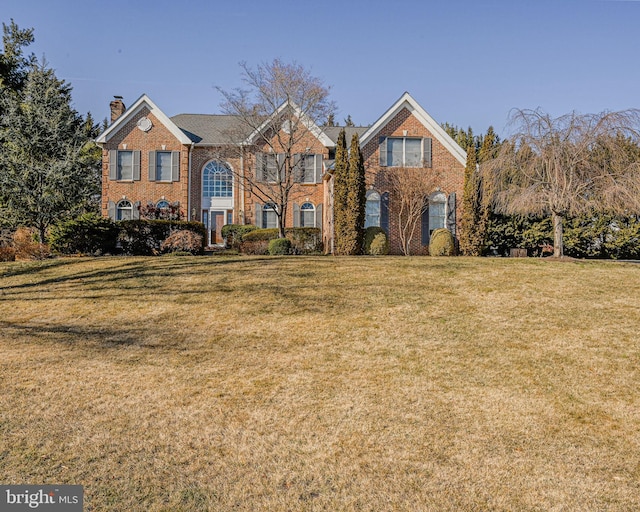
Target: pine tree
(356, 197)
(340, 190)
(44, 157)
(472, 232)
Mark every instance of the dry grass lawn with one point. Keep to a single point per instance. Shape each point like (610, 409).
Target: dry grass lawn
(319, 383)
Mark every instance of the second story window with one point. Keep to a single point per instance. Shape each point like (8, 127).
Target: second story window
(405, 152)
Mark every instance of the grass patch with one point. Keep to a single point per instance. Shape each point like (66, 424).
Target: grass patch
(190, 384)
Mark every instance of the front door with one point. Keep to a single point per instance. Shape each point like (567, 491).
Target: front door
(215, 228)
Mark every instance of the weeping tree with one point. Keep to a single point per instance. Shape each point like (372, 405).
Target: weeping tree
(567, 166)
(275, 111)
(48, 162)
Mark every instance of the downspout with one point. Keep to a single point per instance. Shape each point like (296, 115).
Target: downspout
(189, 183)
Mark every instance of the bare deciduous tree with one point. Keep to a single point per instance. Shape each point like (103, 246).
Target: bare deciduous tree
(410, 189)
(567, 166)
(281, 104)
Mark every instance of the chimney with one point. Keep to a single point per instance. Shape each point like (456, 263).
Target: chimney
(117, 108)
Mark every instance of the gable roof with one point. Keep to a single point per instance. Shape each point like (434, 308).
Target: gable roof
(143, 102)
(211, 129)
(407, 101)
(304, 118)
(334, 131)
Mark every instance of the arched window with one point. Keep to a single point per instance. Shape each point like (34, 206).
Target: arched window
(372, 209)
(124, 210)
(437, 211)
(269, 217)
(307, 216)
(163, 203)
(217, 180)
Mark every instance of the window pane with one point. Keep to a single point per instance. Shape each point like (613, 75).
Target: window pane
(217, 181)
(309, 169)
(394, 152)
(372, 211)
(436, 215)
(270, 170)
(163, 166)
(412, 152)
(125, 165)
(307, 216)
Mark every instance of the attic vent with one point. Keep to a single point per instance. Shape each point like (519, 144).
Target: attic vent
(145, 124)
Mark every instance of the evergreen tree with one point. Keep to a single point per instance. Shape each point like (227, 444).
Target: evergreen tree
(356, 198)
(348, 121)
(472, 231)
(45, 156)
(340, 193)
(14, 66)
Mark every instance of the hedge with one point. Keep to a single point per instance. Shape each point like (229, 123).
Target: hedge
(303, 240)
(145, 237)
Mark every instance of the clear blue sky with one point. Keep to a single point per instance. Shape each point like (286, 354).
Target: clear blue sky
(468, 62)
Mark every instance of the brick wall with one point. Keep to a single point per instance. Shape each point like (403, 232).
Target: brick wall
(158, 138)
(451, 172)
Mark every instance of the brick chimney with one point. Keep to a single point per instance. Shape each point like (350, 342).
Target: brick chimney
(117, 108)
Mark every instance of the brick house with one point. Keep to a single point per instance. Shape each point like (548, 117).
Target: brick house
(200, 163)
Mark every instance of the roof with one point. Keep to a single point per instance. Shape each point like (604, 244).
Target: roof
(142, 102)
(333, 131)
(407, 101)
(211, 129)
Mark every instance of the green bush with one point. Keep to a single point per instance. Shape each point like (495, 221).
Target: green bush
(87, 234)
(369, 234)
(442, 243)
(303, 240)
(279, 246)
(233, 234)
(145, 237)
(379, 245)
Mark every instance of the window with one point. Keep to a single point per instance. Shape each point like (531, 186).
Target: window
(305, 171)
(268, 166)
(437, 211)
(405, 152)
(163, 165)
(217, 180)
(163, 203)
(269, 217)
(372, 209)
(307, 216)
(124, 210)
(125, 165)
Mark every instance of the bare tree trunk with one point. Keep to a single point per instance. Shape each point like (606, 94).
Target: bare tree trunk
(558, 245)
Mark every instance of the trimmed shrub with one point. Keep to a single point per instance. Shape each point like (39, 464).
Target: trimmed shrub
(27, 247)
(233, 234)
(369, 234)
(379, 245)
(303, 240)
(7, 253)
(183, 241)
(88, 234)
(145, 237)
(279, 246)
(441, 243)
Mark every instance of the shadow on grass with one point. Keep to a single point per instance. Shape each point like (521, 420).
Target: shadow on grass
(73, 335)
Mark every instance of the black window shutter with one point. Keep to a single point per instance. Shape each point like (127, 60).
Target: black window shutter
(451, 213)
(424, 223)
(152, 166)
(384, 212)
